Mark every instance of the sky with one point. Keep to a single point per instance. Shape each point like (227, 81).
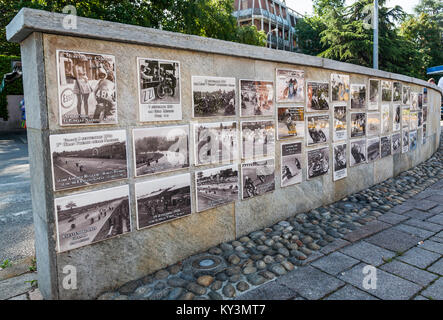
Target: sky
(305, 6)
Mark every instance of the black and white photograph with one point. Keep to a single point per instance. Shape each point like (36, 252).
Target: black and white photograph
(215, 142)
(163, 200)
(424, 136)
(405, 141)
(340, 170)
(406, 96)
(86, 218)
(420, 119)
(358, 96)
(160, 149)
(385, 118)
(413, 120)
(396, 119)
(318, 162)
(374, 94)
(256, 98)
(290, 85)
(258, 178)
(291, 163)
(420, 100)
(290, 122)
(317, 96)
(405, 116)
(373, 150)
(339, 87)
(412, 140)
(397, 91)
(257, 139)
(358, 152)
(373, 124)
(86, 88)
(385, 146)
(216, 187)
(87, 158)
(159, 90)
(340, 128)
(213, 96)
(318, 129)
(425, 96)
(386, 91)
(358, 124)
(414, 101)
(425, 114)
(396, 143)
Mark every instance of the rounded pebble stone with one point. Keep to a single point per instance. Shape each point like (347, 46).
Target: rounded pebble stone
(205, 280)
(242, 286)
(229, 291)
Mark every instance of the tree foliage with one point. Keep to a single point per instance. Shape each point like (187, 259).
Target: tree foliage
(407, 44)
(207, 18)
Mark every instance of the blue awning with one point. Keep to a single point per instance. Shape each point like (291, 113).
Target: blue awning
(435, 70)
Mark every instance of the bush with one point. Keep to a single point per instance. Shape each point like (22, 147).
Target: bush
(12, 88)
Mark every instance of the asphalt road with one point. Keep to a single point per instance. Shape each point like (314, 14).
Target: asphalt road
(16, 223)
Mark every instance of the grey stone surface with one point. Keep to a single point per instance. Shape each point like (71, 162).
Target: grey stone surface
(334, 246)
(269, 291)
(392, 218)
(335, 263)
(437, 267)
(349, 292)
(436, 219)
(437, 210)
(418, 214)
(394, 240)
(310, 283)
(419, 257)
(420, 233)
(436, 198)
(432, 246)
(16, 286)
(424, 225)
(409, 272)
(365, 231)
(368, 253)
(388, 286)
(425, 204)
(402, 208)
(434, 291)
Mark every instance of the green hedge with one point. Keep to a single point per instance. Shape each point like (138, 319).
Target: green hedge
(14, 88)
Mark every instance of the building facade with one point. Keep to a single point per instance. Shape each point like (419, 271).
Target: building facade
(273, 17)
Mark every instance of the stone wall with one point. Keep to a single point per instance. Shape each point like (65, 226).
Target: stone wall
(108, 264)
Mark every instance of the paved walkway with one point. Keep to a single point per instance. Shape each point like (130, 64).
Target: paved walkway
(16, 222)
(405, 246)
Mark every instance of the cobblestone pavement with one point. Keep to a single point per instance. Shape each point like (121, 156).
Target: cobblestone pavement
(395, 226)
(16, 222)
